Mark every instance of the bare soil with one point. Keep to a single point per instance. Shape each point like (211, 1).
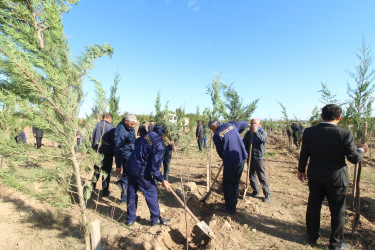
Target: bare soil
(280, 224)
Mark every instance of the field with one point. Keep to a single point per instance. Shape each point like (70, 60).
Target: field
(29, 223)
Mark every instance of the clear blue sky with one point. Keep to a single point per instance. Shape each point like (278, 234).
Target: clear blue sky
(278, 51)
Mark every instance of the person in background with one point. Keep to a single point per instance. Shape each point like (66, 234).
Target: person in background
(124, 139)
(38, 134)
(231, 150)
(257, 166)
(199, 134)
(151, 126)
(143, 168)
(142, 130)
(327, 146)
(102, 142)
(21, 137)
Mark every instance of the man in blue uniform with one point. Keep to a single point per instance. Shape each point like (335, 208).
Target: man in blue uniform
(124, 139)
(143, 168)
(232, 151)
(102, 142)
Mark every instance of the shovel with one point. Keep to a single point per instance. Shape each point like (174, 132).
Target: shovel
(201, 224)
(204, 197)
(248, 166)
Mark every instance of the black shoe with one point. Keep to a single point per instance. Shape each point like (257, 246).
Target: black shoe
(106, 193)
(254, 194)
(342, 246)
(129, 224)
(226, 210)
(161, 221)
(267, 198)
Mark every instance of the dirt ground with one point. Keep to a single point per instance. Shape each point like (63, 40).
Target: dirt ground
(29, 224)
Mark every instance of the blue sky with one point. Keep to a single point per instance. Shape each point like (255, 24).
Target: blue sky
(278, 51)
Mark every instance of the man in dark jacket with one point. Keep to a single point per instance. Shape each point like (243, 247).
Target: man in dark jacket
(232, 151)
(124, 139)
(199, 134)
(38, 134)
(151, 126)
(143, 168)
(327, 146)
(102, 142)
(257, 167)
(142, 130)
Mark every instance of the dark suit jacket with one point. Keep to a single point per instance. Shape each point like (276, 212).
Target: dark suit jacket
(327, 145)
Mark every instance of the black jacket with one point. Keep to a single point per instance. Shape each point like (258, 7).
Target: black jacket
(327, 146)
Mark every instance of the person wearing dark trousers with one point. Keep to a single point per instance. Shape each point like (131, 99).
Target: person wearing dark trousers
(124, 139)
(199, 134)
(257, 166)
(143, 168)
(102, 142)
(151, 126)
(142, 130)
(205, 134)
(38, 134)
(231, 150)
(327, 145)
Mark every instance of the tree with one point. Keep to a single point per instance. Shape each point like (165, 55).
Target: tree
(114, 100)
(361, 95)
(326, 96)
(45, 84)
(101, 102)
(236, 111)
(218, 108)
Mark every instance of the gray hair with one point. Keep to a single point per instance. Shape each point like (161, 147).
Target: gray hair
(131, 118)
(213, 122)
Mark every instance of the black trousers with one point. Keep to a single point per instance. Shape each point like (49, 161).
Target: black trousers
(38, 142)
(107, 168)
(336, 197)
(257, 169)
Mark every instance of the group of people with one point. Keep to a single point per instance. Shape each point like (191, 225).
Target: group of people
(139, 160)
(324, 148)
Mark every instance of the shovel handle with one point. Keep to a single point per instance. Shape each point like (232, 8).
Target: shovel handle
(182, 203)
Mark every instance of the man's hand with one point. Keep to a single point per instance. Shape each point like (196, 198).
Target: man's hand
(364, 147)
(118, 170)
(165, 184)
(301, 176)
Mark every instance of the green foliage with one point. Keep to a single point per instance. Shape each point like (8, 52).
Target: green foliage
(326, 96)
(101, 102)
(315, 118)
(236, 111)
(214, 89)
(361, 95)
(114, 100)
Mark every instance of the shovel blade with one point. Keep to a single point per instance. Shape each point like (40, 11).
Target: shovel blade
(205, 229)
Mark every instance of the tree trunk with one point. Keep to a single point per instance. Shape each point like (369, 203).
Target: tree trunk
(82, 203)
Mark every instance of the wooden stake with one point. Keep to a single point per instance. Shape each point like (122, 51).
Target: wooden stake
(95, 235)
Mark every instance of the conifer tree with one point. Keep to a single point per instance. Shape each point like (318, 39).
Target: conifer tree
(114, 100)
(40, 81)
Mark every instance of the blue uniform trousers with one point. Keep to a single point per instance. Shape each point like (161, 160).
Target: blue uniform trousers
(231, 182)
(149, 190)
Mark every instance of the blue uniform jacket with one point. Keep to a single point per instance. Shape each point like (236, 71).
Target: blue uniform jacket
(124, 143)
(107, 139)
(228, 142)
(147, 157)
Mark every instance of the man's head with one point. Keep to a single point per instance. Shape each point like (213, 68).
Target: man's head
(152, 122)
(143, 123)
(130, 120)
(331, 113)
(255, 121)
(198, 122)
(108, 117)
(213, 125)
